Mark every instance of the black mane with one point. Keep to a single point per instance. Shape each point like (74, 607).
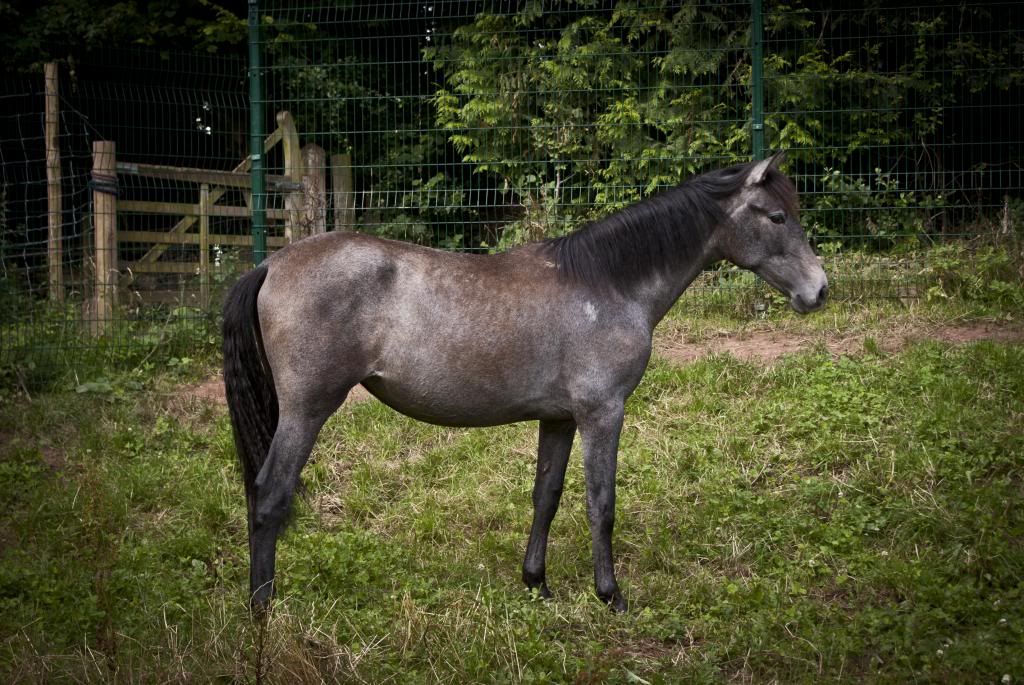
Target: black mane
(662, 233)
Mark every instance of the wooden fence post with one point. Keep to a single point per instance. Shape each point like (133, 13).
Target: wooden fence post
(293, 200)
(54, 199)
(204, 245)
(314, 189)
(104, 207)
(343, 194)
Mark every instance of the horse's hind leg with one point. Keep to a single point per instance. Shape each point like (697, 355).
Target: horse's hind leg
(275, 485)
(553, 449)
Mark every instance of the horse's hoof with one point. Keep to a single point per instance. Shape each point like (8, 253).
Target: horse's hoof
(260, 604)
(259, 611)
(615, 602)
(539, 591)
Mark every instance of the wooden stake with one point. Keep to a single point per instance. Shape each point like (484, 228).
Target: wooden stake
(204, 244)
(314, 188)
(292, 154)
(104, 204)
(343, 194)
(55, 208)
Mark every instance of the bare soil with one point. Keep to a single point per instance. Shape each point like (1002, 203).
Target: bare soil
(52, 456)
(769, 346)
(764, 346)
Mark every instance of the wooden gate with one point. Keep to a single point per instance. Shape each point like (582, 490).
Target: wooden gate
(301, 212)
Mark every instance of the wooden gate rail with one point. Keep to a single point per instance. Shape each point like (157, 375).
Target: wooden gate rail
(303, 186)
(305, 211)
(284, 131)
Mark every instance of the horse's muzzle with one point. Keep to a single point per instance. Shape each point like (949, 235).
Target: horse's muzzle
(805, 305)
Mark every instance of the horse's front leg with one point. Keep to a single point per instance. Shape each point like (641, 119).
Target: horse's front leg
(553, 449)
(600, 431)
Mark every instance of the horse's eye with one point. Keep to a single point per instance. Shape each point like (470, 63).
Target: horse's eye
(777, 218)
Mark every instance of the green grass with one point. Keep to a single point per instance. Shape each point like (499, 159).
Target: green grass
(852, 519)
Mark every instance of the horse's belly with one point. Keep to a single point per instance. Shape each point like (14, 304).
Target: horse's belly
(447, 403)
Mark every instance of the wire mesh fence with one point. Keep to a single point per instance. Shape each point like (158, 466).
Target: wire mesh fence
(903, 123)
(481, 125)
(99, 226)
(477, 126)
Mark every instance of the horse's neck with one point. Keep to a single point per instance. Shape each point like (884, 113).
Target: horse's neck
(641, 254)
(659, 289)
(657, 294)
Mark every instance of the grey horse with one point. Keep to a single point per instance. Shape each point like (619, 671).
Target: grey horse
(557, 332)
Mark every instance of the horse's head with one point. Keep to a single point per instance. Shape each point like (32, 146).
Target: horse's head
(764, 234)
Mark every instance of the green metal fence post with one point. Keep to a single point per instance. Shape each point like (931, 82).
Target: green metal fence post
(757, 80)
(259, 199)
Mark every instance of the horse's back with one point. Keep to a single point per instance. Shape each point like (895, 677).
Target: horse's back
(394, 279)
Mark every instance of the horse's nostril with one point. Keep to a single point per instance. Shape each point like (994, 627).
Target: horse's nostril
(823, 293)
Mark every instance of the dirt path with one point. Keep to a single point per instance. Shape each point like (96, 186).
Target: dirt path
(766, 346)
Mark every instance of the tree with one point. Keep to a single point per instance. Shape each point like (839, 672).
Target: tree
(580, 108)
(35, 32)
(371, 98)
(584, 109)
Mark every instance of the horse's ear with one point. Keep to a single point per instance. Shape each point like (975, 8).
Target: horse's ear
(759, 172)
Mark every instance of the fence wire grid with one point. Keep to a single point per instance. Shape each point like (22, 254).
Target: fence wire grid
(481, 125)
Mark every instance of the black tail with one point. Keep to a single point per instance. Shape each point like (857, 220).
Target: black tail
(248, 382)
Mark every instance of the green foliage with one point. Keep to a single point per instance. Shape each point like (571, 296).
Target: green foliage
(620, 126)
(885, 213)
(48, 346)
(409, 192)
(988, 274)
(34, 33)
(578, 111)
